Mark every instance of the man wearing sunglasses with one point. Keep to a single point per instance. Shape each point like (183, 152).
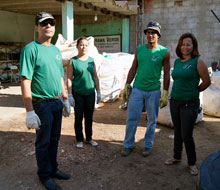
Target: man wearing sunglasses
(44, 97)
(149, 60)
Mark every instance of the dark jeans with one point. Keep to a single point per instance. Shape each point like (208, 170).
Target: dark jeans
(84, 106)
(47, 137)
(184, 114)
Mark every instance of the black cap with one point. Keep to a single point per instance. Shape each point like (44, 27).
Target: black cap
(40, 17)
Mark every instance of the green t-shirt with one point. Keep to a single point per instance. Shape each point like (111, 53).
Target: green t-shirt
(186, 80)
(150, 63)
(43, 66)
(83, 82)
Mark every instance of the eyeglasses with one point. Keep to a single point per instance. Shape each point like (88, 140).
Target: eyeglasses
(48, 21)
(153, 24)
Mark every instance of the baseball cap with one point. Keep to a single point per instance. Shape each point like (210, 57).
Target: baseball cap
(154, 26)
(41, 16)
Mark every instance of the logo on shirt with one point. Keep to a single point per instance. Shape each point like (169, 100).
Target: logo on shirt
(58, 57)
(155, 58)
(187, 66)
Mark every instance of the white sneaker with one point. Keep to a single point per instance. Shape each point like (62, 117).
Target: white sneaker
(93, 143)
(79, 145)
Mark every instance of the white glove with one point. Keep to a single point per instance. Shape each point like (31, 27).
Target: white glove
(71, 100)
(98, 97)
(66, 108)
(32, 120)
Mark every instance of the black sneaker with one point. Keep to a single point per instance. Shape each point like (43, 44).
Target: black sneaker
(147, 152)
(126, 152)
(50, 184)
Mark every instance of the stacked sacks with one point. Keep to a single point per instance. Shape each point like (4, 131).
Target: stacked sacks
(164, 117)
(113, 74)
(211, 96)
(112, 69)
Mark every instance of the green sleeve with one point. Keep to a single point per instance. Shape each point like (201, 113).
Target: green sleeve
(27, 63)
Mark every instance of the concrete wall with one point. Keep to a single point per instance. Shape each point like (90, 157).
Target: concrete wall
(16, 27)
(105, 25)
(178, 17)
(133, 34)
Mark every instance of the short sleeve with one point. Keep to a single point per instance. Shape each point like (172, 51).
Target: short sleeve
(27, 63)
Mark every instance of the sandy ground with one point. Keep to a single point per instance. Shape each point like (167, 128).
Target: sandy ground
(100, 168)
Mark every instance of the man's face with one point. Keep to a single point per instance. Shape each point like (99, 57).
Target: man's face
(46, 29)
(152, 36)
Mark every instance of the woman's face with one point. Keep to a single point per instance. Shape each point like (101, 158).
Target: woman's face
(187, 47)
(83, 47)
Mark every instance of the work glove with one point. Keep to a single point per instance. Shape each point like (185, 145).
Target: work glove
(126, 92)
(164, 99)
(98, 97)
(66, 108)
(71, 100)
(32, 120)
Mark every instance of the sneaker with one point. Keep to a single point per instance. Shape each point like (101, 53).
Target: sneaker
(126, 152)
(79, 145)
(93, 143)
(147, 152)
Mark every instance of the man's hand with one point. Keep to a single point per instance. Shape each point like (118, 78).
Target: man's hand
(126, 92)
(164, 99)
(32, 120)
(71, 100)
(66, 108)
(98, 97)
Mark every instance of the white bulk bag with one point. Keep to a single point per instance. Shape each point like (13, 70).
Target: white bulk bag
(211, 96)
(164, 117)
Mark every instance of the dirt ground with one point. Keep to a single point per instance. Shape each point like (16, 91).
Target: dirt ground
(100, 168)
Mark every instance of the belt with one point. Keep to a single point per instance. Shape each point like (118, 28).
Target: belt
(34, 99)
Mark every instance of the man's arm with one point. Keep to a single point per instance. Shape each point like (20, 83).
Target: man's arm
(69, 82)
(69, 76)
(26, 93)
(133, 70)
(166, 70)
(166, 80)
(32, 120)
(64, 90)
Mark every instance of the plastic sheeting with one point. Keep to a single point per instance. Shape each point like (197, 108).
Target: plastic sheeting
(210, 172)
(112, 69)
(211, 96)
(164, 117)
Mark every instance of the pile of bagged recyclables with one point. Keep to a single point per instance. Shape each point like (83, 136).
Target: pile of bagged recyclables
(112, 70)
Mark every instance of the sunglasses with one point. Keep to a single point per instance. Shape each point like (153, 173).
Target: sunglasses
(153, 24)
(48, 21)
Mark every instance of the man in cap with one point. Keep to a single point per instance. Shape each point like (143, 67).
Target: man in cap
(44, 97)
(148, 62)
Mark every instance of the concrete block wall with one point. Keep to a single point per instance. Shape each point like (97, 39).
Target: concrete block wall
(179, 16)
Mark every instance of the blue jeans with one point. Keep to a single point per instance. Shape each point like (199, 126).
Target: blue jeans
(47, 137)
(137, 100)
